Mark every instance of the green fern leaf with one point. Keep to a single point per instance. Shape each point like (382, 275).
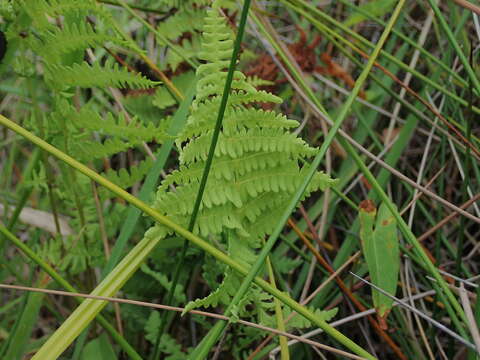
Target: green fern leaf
(163, 281)
(71, 37)
(85, 75)
(40, 10)
(181, 22)
(118, 134)
(257, 82)
(299, 322)
(119, 127)
(168, 345)
(126, 179)
(189, 50)
(88, 150)
(255, 172)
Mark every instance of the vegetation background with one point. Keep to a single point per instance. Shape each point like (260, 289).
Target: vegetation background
(96, 112)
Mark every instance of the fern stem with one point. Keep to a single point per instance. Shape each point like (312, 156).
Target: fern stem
(208, 163)
(72, 179)
(37, 115)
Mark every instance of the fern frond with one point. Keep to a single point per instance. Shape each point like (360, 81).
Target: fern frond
(135, 174)
(255, 81)
(71, 37)
(189, 50)
(38, 10)
(181, 22)
(241, 251)
(122, 134)
(168, 345)
(240, 191)
(165, 283)
(85, 75)
(118, 126)
(220, 296)
(255, 172)
(299, 322)
(230, 284)
(188, 19)
(236, 119)
(87, 150)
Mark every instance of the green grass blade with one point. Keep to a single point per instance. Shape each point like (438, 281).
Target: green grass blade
(24, 326)
(88, 309)
(453, 42)
(407, 40)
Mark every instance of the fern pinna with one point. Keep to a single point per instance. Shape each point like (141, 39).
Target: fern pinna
(255, 169)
